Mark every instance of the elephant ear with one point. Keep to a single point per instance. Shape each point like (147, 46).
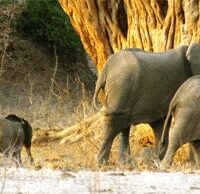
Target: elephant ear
(193, 56)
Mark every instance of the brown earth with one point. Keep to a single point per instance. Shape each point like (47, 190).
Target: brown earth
(77, 154)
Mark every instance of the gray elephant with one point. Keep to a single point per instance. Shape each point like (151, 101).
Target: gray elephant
(184, 113)
(138, 87)
(14, 133)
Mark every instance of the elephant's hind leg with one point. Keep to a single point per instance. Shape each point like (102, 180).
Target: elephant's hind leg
(113, 124)
(17, 158)
(171, 151)
(109, 134)
(124, 146)
(195, 146)
(177, 136)
(5, 157)
(173, 144)
(157, 127)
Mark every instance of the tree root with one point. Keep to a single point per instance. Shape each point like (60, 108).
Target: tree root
(75, 133)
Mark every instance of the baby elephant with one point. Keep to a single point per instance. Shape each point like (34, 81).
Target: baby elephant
(184, 111)
(14, 133)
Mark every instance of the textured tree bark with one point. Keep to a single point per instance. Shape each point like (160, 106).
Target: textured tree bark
(107, 26)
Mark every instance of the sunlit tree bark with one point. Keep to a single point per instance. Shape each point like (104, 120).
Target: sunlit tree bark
(106, 26)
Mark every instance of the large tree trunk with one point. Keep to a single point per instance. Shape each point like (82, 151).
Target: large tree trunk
(106, 26)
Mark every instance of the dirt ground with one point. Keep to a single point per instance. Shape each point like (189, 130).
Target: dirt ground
(81, 155)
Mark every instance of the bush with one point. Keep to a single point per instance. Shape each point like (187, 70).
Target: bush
(45, 22)
(6, 2)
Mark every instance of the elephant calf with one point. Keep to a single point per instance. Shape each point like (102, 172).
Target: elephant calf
(184, 111)
(14, 133)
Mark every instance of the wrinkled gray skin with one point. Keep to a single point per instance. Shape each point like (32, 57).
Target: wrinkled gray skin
(14, 133)
(184, 111)
(138, 88)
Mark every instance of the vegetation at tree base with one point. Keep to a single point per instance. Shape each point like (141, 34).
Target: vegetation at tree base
(44, 21)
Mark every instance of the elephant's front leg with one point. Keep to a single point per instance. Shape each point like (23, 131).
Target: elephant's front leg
(124, 147)
(175, 141)
(110, 132)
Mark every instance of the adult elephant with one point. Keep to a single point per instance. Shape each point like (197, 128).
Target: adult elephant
(138, 87)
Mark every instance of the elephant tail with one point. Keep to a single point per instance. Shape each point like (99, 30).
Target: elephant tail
(99, 85)
(166, 126)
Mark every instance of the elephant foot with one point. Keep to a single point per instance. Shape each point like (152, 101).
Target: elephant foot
(101, 159)
(197, 166)
(126, 161)
(164, 166)
(146, 155)
(18, 164)
(31, 161)
(124, 157)
(161, 150)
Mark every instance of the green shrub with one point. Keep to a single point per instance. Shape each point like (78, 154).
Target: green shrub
(6, 2)
(46, 23)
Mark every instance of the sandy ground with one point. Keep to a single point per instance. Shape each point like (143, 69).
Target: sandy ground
(48, 181)
(72, 168)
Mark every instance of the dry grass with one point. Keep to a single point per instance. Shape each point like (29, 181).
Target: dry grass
(81, 154)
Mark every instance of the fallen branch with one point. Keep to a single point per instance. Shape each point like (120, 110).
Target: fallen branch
(73, 133)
